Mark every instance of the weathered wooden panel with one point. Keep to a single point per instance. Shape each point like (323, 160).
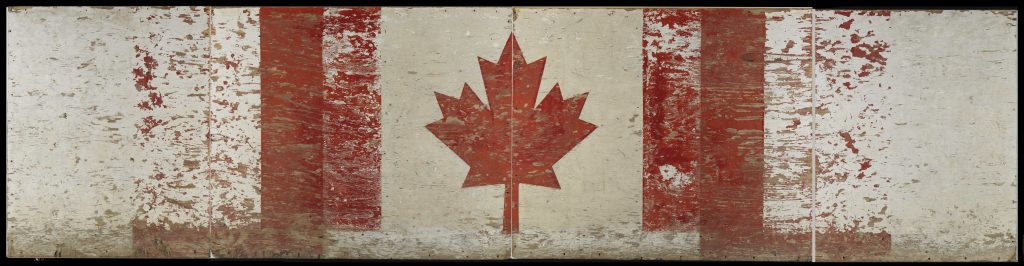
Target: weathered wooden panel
(72, 156)
(917, 135)
(788, 123)
(491, 133)
(671, 118)
(596, 212)
(425, 210)
(171, 71)
(235, 139)
(351, 119)
(725, 93)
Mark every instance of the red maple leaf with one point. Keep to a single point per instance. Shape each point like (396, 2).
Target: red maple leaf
(509, 141)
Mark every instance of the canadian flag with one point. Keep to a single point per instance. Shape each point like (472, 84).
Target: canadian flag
(491, 133)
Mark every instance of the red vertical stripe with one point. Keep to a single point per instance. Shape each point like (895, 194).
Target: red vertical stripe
(671, 112)
(292, 77)
(351, 150)
(732, 115)
(704, 118)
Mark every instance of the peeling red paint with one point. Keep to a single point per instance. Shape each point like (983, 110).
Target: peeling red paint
(846, 25)
(722, 144)
(292, 78)
(731, 194)
(170, 218)
(351, 151)
(144, 74)
(865, 165)
(148, 124)
(849, 141)
(847, 66)
(155, 100)
(871, 52)
(671, 115)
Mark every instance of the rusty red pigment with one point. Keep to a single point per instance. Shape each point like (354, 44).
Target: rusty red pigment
(704, 119)
(351, 121)
(671, 134)
(731, 193)
(292, 137)
(509, 141)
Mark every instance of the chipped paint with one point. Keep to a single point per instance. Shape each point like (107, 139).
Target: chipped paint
(298, 132)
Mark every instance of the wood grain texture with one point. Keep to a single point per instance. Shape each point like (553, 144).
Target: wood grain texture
(915, 135)
(292, 99)
(671, 118)
(351, 118)
(854, 102)
(731, 194)
(719, 134)
(235, 137)
(425, 210)
(788, 122)
(171, 70)
(71, 156)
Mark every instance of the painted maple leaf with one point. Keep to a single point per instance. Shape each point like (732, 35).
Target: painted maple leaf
(509, 141)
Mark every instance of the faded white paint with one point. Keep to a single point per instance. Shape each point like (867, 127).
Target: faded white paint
(235, 116)
(175, 189)
(845, 201)
(787, 121)
(71, 157)
(953, 131)
(938, 125)
(597, 213)
(425, 211)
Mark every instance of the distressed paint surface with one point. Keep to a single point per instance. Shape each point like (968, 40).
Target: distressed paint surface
(235, 129)
(596, 212)
(351, 118)
(671, 119)
(71, 156)
(732, 123)
(211, 132)
(788, 131)
(854, 108)
(292, 140)
(686, 101)
(171, 72)
(915, 159)
(426, 212)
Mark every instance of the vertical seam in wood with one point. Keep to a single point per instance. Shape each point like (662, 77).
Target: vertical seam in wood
(814, 136)
(209, 129)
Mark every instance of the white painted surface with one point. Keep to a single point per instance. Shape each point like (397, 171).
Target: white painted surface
(235, 117)
(938, 124)
(787, 121)
(954, 136)
(69, 132)
(597, 213)
(425, 211)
